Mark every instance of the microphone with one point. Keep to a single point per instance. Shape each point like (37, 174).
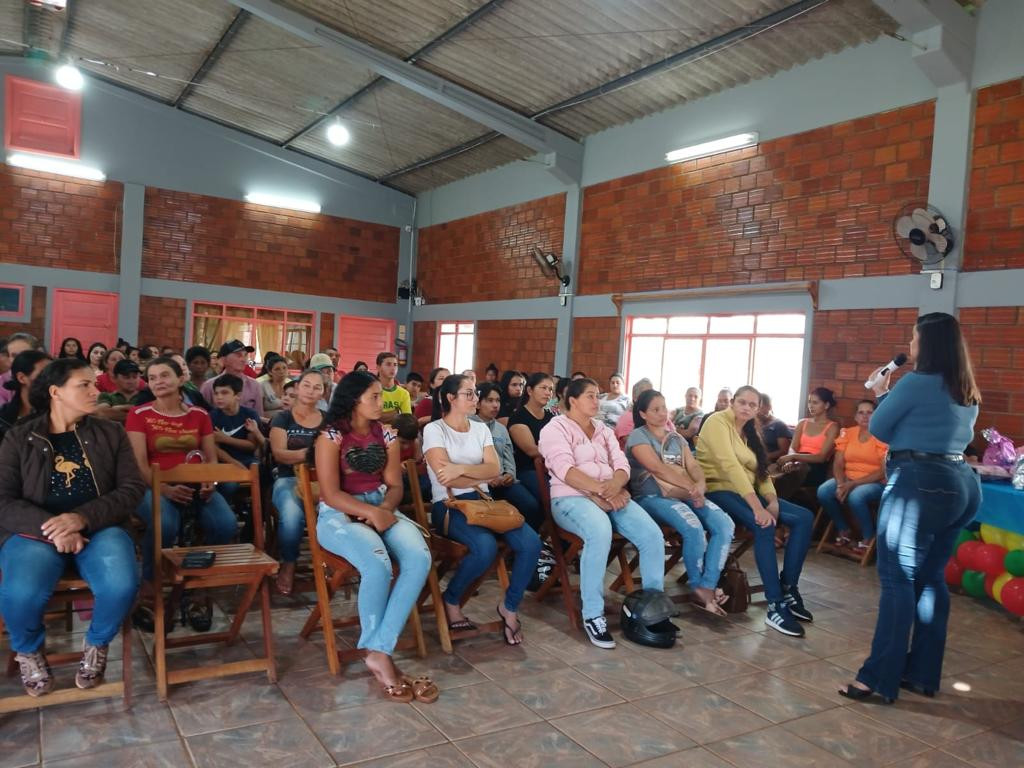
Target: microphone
(891, 366)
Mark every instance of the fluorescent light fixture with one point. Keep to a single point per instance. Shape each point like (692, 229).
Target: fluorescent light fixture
(52, 165)
(276, 201)
(738, 141)
(69, 78)
(338, 134)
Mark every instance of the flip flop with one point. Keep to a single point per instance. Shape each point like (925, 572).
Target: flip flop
(516, 630)
(710, 606)
(423, 689)
(462, 625)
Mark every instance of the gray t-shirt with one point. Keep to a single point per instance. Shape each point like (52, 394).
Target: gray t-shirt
(502, 444)
(641, 482)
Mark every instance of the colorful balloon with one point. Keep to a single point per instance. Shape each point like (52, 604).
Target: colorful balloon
(1013, 596)
(992, 535)
(988, 558)
(954, 573)
(1013, 540)
(974, 583)
(966, 554)
(1014, 562)
(997, 586)
(964, 535)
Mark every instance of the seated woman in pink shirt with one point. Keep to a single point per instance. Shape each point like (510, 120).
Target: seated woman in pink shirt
(589, 474)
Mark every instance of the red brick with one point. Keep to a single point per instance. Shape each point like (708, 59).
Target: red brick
(424, 347)
(526, 345)
(37, 322)
(595, 346)
(162, 322)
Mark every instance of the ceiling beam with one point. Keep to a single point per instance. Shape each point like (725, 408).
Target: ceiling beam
(943, 33)
(463, 23)
(564, 154)
(213, 56)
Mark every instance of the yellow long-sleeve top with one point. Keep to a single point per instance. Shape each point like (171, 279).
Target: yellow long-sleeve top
(727, 461)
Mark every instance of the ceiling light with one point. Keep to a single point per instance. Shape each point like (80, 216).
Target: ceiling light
(276, 201)
(738, 141)
(338, 134)
(69, 77)
(52, 165)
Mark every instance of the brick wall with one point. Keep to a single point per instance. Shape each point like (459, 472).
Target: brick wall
(326, 330)
(204, 239)
(487, 256)
(526, 345)
(162, 322)
(995, 220)
(995, 336)
(813, 205)
(54, 221)
(37, 323)
(595, 347)
(424, 348)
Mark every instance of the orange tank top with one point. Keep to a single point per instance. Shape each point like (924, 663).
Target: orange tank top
(812, 443)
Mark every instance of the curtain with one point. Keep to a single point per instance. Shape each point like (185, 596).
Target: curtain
(269, 338)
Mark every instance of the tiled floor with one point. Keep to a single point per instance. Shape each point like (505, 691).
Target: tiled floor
(731, 694)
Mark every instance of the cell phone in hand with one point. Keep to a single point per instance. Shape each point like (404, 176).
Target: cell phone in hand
(199, 559)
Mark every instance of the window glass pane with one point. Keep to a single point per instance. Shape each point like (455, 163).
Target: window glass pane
(688, 325)
(781, 324)
(466, 327)
(209, 309)
(239, 311)
(235, 329)
(680, 370)
(269, 338)
(447, 327)
(732, 324)
(446, 351)
(270, 314)
(205, 331)
(463, 352)
(300, 317)
(647, 325)
(644, 360)
(297, 341)
(10, 299)
(726, 364)
(778, 370)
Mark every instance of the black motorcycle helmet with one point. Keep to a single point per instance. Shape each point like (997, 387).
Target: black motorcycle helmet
(644, 618)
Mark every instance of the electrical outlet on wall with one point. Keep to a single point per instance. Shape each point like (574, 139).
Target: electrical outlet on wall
(935, 281)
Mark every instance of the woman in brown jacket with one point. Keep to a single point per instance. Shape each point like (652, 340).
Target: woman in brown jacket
(68, 485)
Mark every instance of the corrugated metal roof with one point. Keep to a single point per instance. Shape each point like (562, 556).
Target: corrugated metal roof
(11, 28)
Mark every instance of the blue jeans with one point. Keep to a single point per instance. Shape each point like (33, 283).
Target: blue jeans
(796, 518)
(924, 506)
(383, 608)
(522, 499)
(528, 479)
(483, 548)
(859, 500)
(32, 568)
(291, 518)
(703, 559)
(579, 515)
(216, 520)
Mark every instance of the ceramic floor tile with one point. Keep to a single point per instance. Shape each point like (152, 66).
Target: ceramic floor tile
(773, 748)
(489, 655)
(935, 721)
(633, 677)
(19, 737)
(230, 702)
(862, 741)
(317, 690)
(72, 729)
(699, 665)
(762, 651)
(530, 746)
(622, 735)
(355, 734)
(697, 757)
(989, 750)
(702, 715)
(474, 710)
(934, 759)
(559, 692)
(448, 670)
(285, 742)
(443, 756)
(821, 677)
(165, 754)
(771, 697)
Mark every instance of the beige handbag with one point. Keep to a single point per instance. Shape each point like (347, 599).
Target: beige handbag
(487, 512)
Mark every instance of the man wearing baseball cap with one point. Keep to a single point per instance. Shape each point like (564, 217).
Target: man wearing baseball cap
(233, 360)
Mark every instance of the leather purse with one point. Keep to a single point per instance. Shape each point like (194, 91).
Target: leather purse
(487, 512)
(671, 453)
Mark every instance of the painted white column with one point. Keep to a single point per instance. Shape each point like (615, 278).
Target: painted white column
(130, 277)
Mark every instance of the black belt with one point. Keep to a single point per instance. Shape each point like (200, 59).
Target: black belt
(956, 458)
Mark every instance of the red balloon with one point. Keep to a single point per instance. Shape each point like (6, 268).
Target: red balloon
(1013, 596)
(988, 558)
(966, 554)
(954, 572)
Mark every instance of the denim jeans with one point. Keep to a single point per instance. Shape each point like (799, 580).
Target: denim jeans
(528, 479)
(483, 548)
(580, 515)
(924, 506)
(859, 500)
(291, 518)
(522, 499)
(32, 568)
(799, 521)
(703, 559)
(383, 608)
(216, 520)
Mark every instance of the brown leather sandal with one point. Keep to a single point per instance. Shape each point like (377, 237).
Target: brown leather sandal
(401, 693)
(424, 689)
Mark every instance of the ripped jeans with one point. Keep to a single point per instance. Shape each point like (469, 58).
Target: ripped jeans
(383, 608)
(703, 559)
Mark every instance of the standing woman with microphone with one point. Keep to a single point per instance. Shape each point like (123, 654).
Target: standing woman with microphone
(927, 420)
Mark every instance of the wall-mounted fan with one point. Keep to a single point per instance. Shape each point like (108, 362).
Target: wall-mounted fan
(550, 265)
(923, 234)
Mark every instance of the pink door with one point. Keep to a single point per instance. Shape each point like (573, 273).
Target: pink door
(85, 315)
(362, 338)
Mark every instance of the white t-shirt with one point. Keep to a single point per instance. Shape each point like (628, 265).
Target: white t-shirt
(462, 448)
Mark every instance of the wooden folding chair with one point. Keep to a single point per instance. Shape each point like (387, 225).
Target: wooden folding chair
(330, 572)
(829, 547)
(446, 554)
(71, 589)
(244, 565)
(573, 546)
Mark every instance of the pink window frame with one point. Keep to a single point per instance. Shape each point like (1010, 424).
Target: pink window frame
(20, 311)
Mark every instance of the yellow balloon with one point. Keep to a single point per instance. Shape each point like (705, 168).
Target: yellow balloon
(997, 586)
(1013, 540)
(992, 535)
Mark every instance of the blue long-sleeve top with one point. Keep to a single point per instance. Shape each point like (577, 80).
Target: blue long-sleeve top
(920, 415)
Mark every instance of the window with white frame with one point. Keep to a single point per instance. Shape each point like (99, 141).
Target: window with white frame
(717, 351)
(455, 346)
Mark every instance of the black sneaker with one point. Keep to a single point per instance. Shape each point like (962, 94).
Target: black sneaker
(781, 620)
(795, 603)
(597, 632)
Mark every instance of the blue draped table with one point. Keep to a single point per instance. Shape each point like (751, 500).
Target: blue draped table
(1002, 505)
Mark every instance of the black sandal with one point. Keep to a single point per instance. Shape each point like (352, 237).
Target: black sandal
(516, 630)
(198, 613)
(860, 694)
